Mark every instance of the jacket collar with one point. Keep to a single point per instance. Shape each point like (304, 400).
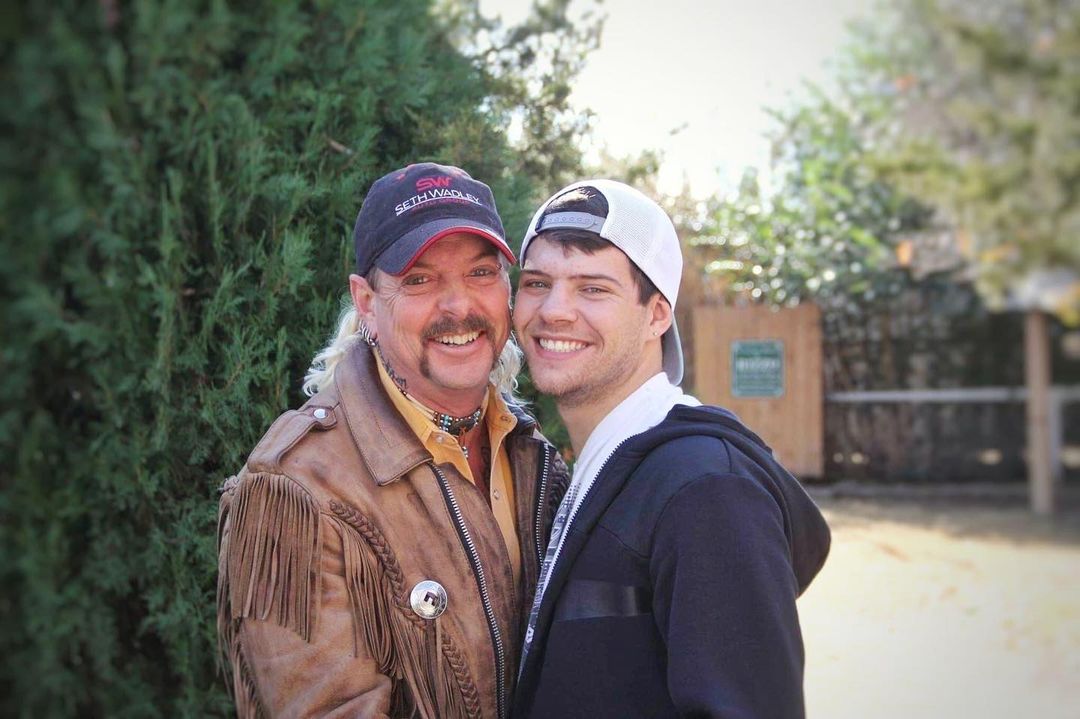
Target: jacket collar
(383, 438)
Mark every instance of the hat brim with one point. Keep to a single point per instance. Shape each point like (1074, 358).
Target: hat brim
(404, 253)
(671, 350)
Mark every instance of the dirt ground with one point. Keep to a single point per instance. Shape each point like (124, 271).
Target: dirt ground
(950, 609)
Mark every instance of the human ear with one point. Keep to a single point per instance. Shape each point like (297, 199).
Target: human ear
(363, 298)
(660, 315)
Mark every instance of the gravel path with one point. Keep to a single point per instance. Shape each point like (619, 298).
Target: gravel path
(944, 609)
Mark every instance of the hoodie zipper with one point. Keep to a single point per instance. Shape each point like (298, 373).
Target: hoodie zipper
(481, 581)
(574, 511)
(555, 559)
(541, 500)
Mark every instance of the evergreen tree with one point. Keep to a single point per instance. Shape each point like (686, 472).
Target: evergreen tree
(179, 187)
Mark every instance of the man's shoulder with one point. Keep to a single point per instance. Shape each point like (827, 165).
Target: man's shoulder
(295, 434)
(317, 415)
(684, 458)
(667, 468)
(697, 441)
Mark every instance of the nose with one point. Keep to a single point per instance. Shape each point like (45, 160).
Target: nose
(557, 307)
(454, 300)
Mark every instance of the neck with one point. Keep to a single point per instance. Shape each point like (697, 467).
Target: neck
(580, 422)
(581, 418)
(457, 404)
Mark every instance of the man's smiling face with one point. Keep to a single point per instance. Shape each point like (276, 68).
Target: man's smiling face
(581, 322)
(443, 322)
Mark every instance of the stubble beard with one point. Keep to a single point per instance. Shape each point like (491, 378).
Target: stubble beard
(584, 386)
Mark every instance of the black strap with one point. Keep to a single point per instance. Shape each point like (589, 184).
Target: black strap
(592, 599)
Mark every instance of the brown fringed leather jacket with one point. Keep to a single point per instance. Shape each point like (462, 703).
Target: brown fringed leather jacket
(337, 515)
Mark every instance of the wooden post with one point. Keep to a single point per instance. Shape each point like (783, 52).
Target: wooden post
(1037, 377)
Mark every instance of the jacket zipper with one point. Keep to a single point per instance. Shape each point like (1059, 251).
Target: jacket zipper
(481, 581)
(541, 500)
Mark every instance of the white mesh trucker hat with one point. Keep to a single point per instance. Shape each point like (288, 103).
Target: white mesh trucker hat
(643, 231)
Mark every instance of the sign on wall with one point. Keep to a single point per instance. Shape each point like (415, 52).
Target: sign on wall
(757, 368)
(765, 365)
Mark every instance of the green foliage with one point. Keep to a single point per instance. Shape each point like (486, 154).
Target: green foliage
(179, 187)
(947, 116)
(829, 226)
(990, 107)
(533, 66)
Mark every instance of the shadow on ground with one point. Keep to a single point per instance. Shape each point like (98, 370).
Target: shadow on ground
(989, 513)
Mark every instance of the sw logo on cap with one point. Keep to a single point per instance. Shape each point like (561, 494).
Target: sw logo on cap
(427, 183)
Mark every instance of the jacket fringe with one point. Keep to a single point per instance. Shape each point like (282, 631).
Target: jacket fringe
(269, 549)
(431, 677)
(273, 554)
(244, 692)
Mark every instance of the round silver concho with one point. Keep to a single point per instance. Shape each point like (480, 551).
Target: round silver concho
(428, 599)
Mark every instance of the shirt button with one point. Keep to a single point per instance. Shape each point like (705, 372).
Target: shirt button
(438, 438)
(320, 413)
(495, 494)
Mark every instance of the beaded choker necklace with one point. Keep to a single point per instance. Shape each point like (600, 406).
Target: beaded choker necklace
(455, 426)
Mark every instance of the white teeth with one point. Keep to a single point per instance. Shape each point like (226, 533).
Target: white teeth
(458, 339)
(561, 345)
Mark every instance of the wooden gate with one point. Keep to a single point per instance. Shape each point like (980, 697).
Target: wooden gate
(765, 365)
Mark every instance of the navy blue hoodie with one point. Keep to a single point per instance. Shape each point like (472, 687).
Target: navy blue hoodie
(675, 591)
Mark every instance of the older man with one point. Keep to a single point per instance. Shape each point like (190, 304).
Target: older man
(669, 584)
(379, 548)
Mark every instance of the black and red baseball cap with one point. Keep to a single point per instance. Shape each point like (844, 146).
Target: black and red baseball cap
(408, 210)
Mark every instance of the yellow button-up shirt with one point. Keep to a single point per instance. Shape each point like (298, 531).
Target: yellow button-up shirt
(444, 448)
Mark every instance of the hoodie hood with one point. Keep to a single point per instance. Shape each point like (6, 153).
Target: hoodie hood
(805, 528)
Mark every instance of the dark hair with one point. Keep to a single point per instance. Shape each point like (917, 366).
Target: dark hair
(591, 201)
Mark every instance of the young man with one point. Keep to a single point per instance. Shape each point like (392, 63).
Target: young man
(668, 587)
(378, 550)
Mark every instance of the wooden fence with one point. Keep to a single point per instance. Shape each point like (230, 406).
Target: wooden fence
(769, 367)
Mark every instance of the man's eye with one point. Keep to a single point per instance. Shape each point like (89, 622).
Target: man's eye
(483, 272)
(534, 284)
(414, 280)
(593, 290)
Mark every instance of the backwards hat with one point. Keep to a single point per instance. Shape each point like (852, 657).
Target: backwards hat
(643, 231)
(408, 210)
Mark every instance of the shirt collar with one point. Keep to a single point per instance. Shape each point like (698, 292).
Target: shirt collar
(498, 417)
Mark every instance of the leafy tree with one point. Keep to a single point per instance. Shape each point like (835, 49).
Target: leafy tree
(179, 187)
(946, 114)
(992, 118)
(532, 66)
(829, 227)
(951, 118)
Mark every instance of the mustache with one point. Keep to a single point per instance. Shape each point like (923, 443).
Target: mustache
(450, 326)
